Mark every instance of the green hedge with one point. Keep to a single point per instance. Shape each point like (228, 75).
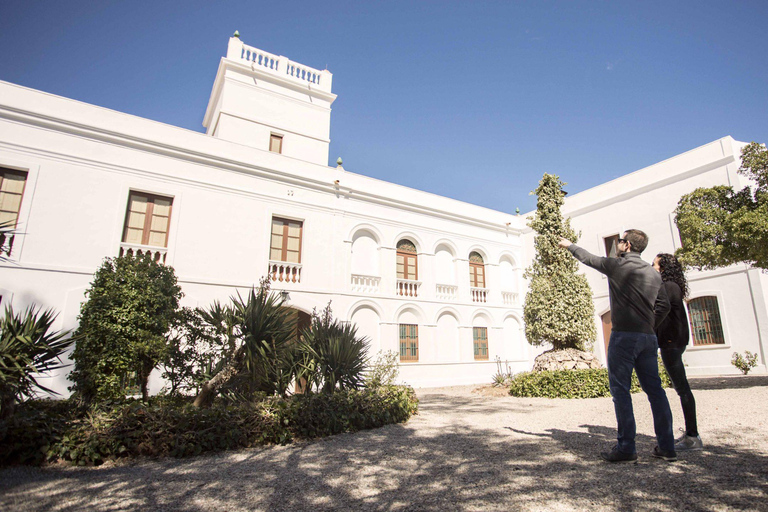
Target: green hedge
(592, 383)
(49, 431)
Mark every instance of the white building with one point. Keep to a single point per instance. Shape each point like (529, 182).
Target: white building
(435, 279)
(727, 307)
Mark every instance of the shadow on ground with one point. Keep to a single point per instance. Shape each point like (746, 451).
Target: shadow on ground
(728, 382)
(408, 467)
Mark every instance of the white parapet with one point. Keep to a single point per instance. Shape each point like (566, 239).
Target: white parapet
(279, 65)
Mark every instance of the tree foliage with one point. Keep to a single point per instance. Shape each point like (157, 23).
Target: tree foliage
(558, 307)
(28, 347)
(720, 226)
(124, 321)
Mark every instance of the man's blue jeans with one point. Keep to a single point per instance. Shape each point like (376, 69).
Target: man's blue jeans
(628, 350)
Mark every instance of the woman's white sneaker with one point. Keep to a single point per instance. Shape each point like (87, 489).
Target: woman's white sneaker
(689, 443)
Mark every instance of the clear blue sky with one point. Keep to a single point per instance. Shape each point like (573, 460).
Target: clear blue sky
(471, 100)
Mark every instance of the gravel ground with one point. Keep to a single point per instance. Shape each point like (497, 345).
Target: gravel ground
(467, 449)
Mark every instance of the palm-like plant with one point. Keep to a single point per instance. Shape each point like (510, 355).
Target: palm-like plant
(332, 355)
(7, 232)
(262, 331)
(28, 347)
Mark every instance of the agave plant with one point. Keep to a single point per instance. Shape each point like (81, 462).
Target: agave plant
(332, 355)
(7, 232)
(28, 347)
(263, 332)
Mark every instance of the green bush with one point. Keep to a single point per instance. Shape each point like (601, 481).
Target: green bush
(48, 431)
(324, 414)
(592, 383)
(744, 363)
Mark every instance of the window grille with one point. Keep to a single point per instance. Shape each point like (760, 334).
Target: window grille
(480, 338)
(409, 342)
(706, 326)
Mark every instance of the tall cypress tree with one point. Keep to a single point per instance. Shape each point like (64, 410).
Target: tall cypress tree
(558, 308)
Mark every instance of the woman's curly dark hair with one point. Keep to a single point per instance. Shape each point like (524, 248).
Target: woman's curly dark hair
(672, 270)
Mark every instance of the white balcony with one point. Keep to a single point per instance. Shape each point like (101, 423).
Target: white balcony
(510, 298)
(479, 294)
(446, 291)
(285, 272)
(157, 254)
(365, 284)
(408, 287)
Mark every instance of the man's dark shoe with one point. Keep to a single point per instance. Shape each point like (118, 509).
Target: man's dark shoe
(661, 454)
(616, 456)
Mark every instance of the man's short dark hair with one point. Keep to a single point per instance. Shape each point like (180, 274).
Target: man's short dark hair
(637, 239)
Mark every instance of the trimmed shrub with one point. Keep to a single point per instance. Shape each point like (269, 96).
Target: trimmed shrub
(324, 414)
(48, 431)
(592, 383)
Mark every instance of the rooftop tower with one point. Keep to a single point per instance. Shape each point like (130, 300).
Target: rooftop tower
(271, 103)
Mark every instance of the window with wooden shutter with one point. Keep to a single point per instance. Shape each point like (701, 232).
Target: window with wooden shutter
(407, 260)
(276, 143)
(409, 342)
(706, 326)
(147, 220)
(476, 270)
(480, 339)
(286, 240)
(11, 192)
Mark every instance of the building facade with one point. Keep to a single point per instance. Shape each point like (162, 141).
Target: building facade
(436, 280)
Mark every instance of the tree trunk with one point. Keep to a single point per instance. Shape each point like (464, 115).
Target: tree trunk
(210, 388)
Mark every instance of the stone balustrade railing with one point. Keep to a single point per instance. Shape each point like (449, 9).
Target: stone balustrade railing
(479, 294)
(285, 272)
(365, 284)
(510, 298)
(408, 287)
(157, 254)
(279, 65)
(446, 291)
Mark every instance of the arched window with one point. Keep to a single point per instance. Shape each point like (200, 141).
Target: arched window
(476, 270)
(706, 326)
(407, 264)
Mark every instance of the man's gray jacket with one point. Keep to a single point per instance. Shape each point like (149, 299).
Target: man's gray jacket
(638, 300)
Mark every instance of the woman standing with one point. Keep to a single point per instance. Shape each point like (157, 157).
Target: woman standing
(673, 337)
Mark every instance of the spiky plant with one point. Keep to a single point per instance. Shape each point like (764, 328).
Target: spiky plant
(28, 348)
(333, 356)
(263, 332)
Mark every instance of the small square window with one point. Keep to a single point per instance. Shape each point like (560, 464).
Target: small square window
(276, 143)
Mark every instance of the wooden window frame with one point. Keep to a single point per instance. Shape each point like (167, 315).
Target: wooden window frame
(405, 337)
(706, 323)
(10, 238)
(480, 344)
(148, 215)
(284, 245)
(476, 269)
(279, 138)
(613, 240)
(410, 260)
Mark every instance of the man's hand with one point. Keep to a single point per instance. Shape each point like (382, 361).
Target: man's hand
(564, 242)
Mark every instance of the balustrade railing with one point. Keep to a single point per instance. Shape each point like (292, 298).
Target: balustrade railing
(157, 254)
(446, 291)
(365, 284)
(408, 287)
(285, 272)
(510, 298)
(280, 65)
(479, 294)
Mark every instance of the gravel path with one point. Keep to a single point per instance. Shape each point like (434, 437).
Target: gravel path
(465, 450)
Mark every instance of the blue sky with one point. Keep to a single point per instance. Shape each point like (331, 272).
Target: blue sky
(471, 100)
